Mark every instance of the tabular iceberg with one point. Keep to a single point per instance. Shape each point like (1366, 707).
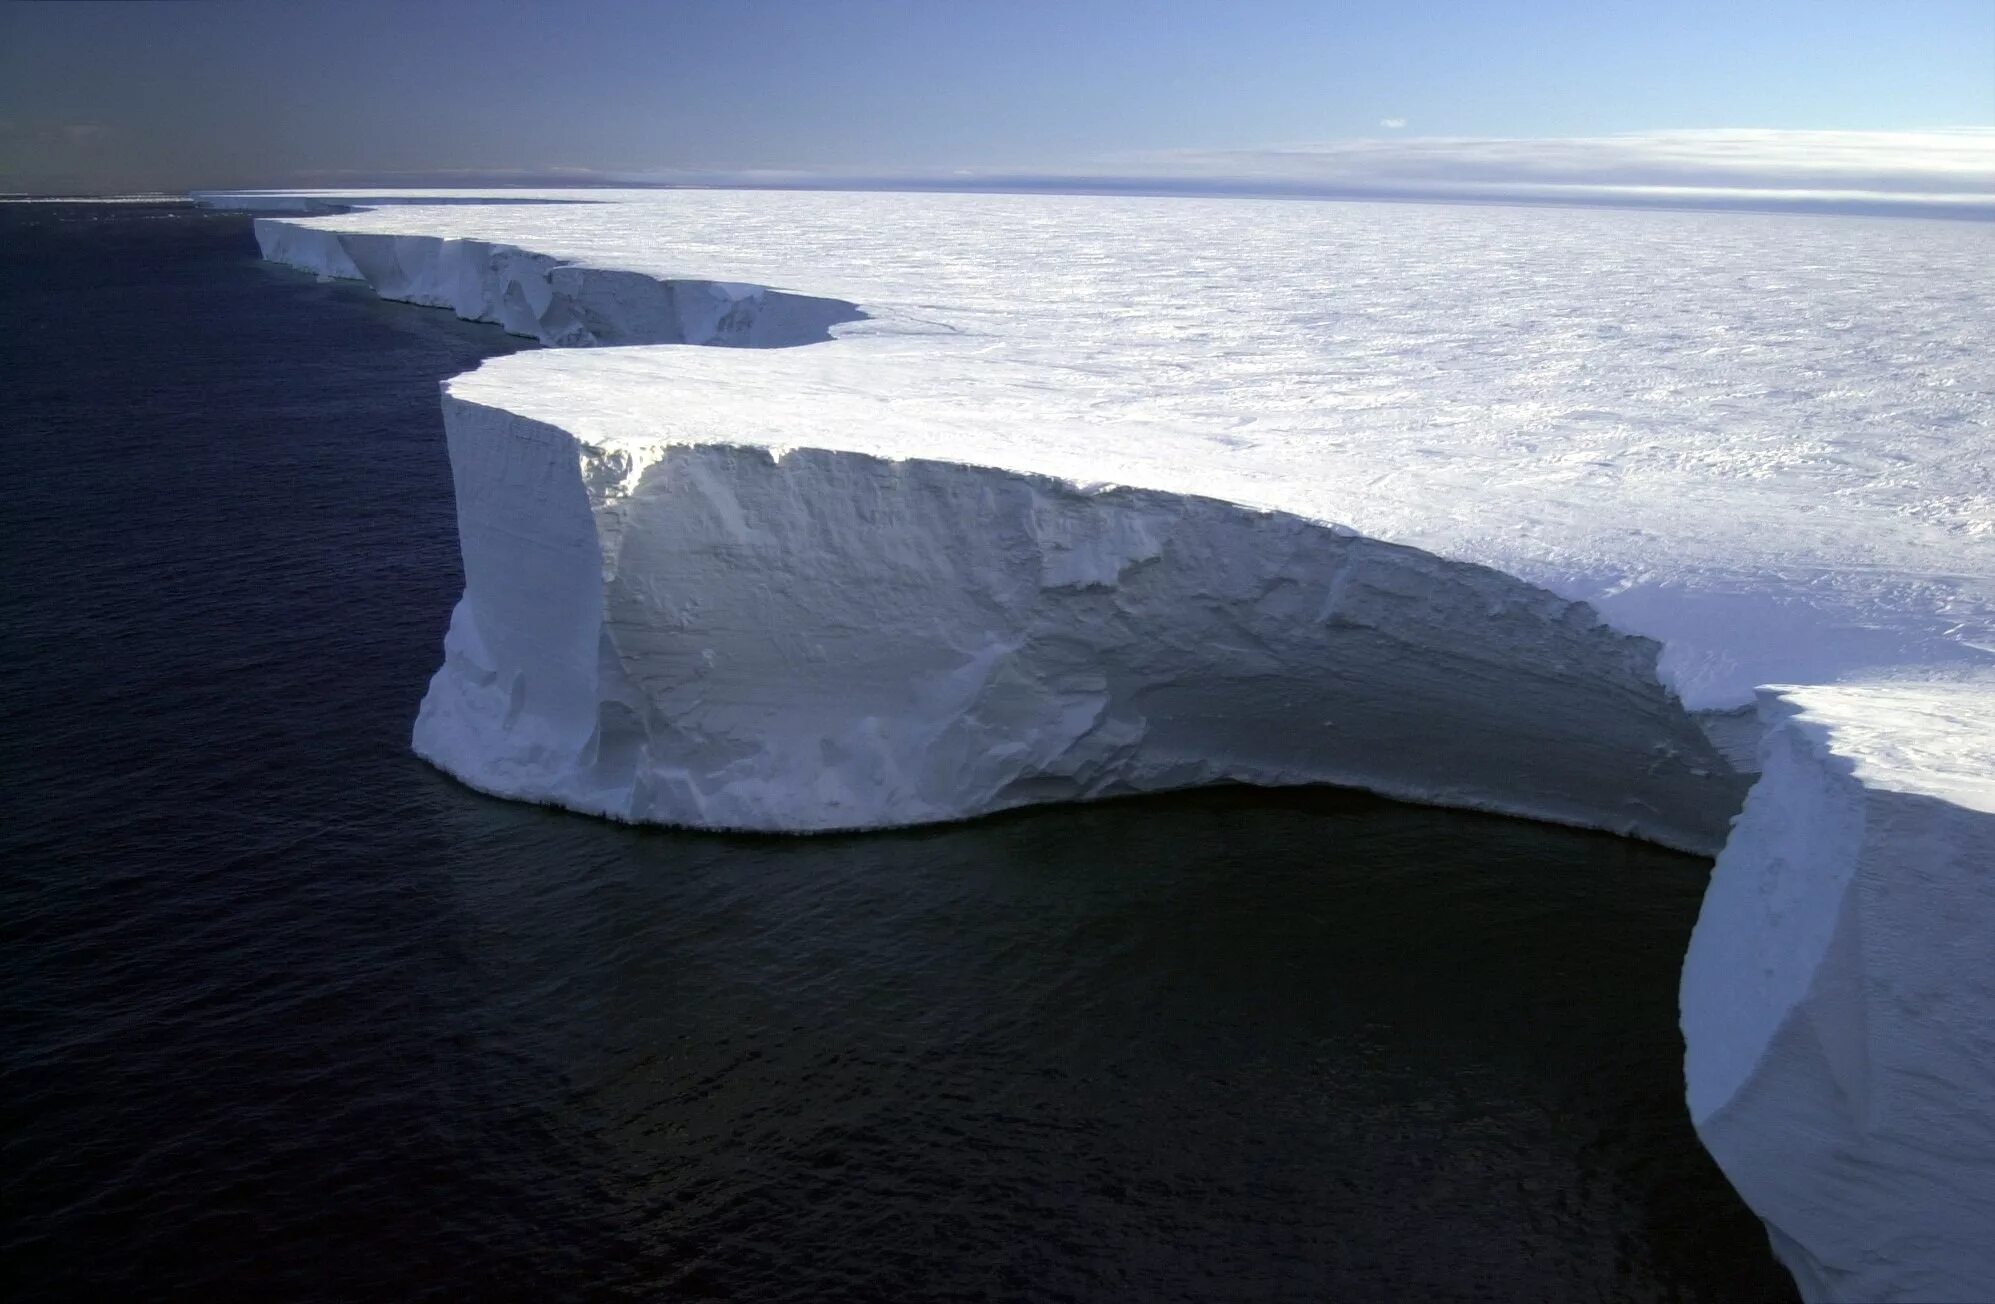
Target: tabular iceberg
(1049, 508)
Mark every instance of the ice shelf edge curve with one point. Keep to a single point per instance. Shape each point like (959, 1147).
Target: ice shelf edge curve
(1872, 1248)
(1051, 640)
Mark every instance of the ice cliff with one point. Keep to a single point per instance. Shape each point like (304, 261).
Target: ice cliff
(1839, 995)
(1046, 511)
(731, 636)
(544, 299)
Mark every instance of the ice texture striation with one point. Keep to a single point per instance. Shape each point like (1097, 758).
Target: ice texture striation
(1073, 497)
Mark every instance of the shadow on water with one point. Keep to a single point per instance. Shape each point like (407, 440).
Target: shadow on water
(295, 1016)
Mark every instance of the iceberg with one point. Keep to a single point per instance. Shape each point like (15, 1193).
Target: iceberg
(1597, 517)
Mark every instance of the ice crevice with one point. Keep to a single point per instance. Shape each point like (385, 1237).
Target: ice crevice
(753, 631)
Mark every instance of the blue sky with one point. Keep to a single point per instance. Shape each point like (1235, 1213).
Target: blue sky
(115, 96)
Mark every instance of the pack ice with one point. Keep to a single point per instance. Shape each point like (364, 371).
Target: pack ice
(1590, 516)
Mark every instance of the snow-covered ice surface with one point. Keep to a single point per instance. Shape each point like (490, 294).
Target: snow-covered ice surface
(1763, 439)
(1066, 496)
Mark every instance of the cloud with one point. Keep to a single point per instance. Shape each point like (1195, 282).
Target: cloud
(1947, 173)
(1882, 161)
(1393, 124)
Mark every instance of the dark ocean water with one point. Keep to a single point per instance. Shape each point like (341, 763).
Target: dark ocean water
(291, 1016)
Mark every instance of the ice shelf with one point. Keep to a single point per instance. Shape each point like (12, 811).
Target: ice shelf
(1023, 498)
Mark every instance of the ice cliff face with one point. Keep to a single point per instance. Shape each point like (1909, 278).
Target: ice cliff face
(545, 299)
(729, 637)
(1839, 996)
(974, 554)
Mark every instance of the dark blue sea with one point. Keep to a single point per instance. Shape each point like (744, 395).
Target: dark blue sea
(291, 1016)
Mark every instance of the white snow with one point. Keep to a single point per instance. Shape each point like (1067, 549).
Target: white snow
(1065, 496)
(1760, 439)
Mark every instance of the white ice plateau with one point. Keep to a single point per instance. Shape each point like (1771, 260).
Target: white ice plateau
(1591, 516)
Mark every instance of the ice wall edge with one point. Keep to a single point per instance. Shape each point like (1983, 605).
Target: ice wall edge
(559, 304)
(824, 640)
